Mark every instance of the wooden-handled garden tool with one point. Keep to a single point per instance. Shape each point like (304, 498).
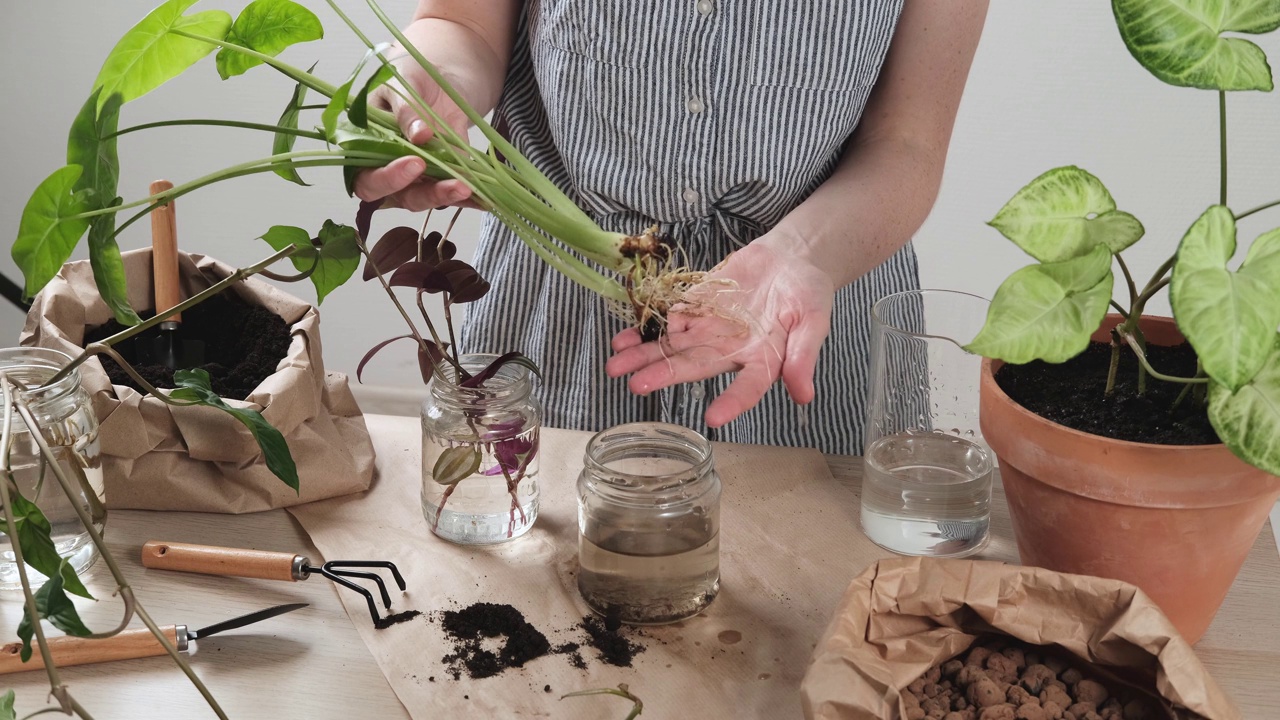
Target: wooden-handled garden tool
(171, 348)
(69, 650)
(267, 565)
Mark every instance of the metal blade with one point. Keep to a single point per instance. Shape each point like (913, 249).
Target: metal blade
(243, 620)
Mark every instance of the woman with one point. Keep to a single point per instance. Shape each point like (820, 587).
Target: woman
(793, 138)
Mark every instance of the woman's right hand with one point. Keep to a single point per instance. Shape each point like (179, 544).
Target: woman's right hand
(401, 183)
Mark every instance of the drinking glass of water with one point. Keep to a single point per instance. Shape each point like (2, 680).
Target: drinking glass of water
(926, 486)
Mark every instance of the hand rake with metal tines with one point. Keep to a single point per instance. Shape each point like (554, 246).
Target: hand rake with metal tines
(267, 565)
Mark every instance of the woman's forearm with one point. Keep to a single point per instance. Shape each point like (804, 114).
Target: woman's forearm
(470, 42)
(887, 180)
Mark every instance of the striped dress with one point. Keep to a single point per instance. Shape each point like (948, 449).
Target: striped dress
(712, 119)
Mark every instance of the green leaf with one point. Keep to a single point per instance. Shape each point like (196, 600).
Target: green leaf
(1064, 214)
(267, 26)
(1047, 312)
(1230, 318)
(53, 605)
(456, 464)
(108, 268)
(1181, 43)
(6, 706)
(48, 231)
(338, 259)
(284, 142)
(194, 385)
(38, 550)
(90, 147)
(337, 103)
(1248, 419)
(151, 53)
(359, 112)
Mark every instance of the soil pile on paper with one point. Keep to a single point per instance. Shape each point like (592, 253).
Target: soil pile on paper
(243, 345)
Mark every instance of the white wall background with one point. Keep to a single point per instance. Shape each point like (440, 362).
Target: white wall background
(1052, 85)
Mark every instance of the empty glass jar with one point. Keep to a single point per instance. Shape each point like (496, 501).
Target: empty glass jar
(70, 427)
(648, 524)
(480, 454)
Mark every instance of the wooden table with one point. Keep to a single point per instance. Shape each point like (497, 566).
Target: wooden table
(312, 664)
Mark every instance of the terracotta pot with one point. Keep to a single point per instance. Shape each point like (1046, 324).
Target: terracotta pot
(1175, 520)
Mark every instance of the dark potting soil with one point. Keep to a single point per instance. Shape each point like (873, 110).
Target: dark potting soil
(612, 647)
(1074, 394)
(385, 622)
(468, 627)
(243, 344)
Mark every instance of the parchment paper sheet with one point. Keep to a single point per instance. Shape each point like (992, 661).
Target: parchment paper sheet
(789, 547)
(159, 457)
(905, 615)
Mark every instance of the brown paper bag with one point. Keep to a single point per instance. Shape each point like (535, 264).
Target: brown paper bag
(159, 457)
(902, 616)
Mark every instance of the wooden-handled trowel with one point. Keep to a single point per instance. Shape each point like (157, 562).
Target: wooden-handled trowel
(172, 348)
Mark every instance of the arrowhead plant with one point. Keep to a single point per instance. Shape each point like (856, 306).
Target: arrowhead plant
(1226, 307)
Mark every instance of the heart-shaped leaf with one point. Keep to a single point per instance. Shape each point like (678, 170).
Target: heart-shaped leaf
(456, 464)
(374, 351)
(490, 370)
(6, 706)
(49, 230)
(1064, 214)
(38, 550)
(1248, 419)
(284, 142)
(1047, 312)
(428, 359)
(339, 255)
(267, 26)
(194, 385)
(396, 247)
(435, 249)
(1180, 41)
(152, 52)
(1230, 318)
(53, 605)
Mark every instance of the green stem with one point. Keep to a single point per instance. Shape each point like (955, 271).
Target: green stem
(220, 123)
(121, 582)
(621, 691)
(1128, 278)
(192, 187)
(6, 442)
(1142, 359)
(1260, 208)
(44, 711)
(1120, 309)
(227, 173)
(183, 306)
(1113, 370)
(1222, 146)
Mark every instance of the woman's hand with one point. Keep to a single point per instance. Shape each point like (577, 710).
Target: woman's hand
(763, 313)
(401, 183)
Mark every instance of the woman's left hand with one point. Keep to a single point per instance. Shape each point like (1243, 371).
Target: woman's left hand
(763, 314)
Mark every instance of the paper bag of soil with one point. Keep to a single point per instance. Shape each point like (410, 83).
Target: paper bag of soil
(160, 457)
(903, 616)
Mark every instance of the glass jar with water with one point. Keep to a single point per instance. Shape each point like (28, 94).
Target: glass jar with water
(70, 427)
(926, 487)
(480, 454)
(648, 524)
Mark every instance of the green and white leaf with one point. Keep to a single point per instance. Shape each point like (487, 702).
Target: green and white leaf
(267, 26)
(53, 605)
(337, 259)
(194, 385)
(35, 537)
(152, 53)
(1248, 419)
(1181, 41)
(1047, 312)
(456, 464)
(48, 231)
(6, 706)
(1230, 318)
(1063, 214)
